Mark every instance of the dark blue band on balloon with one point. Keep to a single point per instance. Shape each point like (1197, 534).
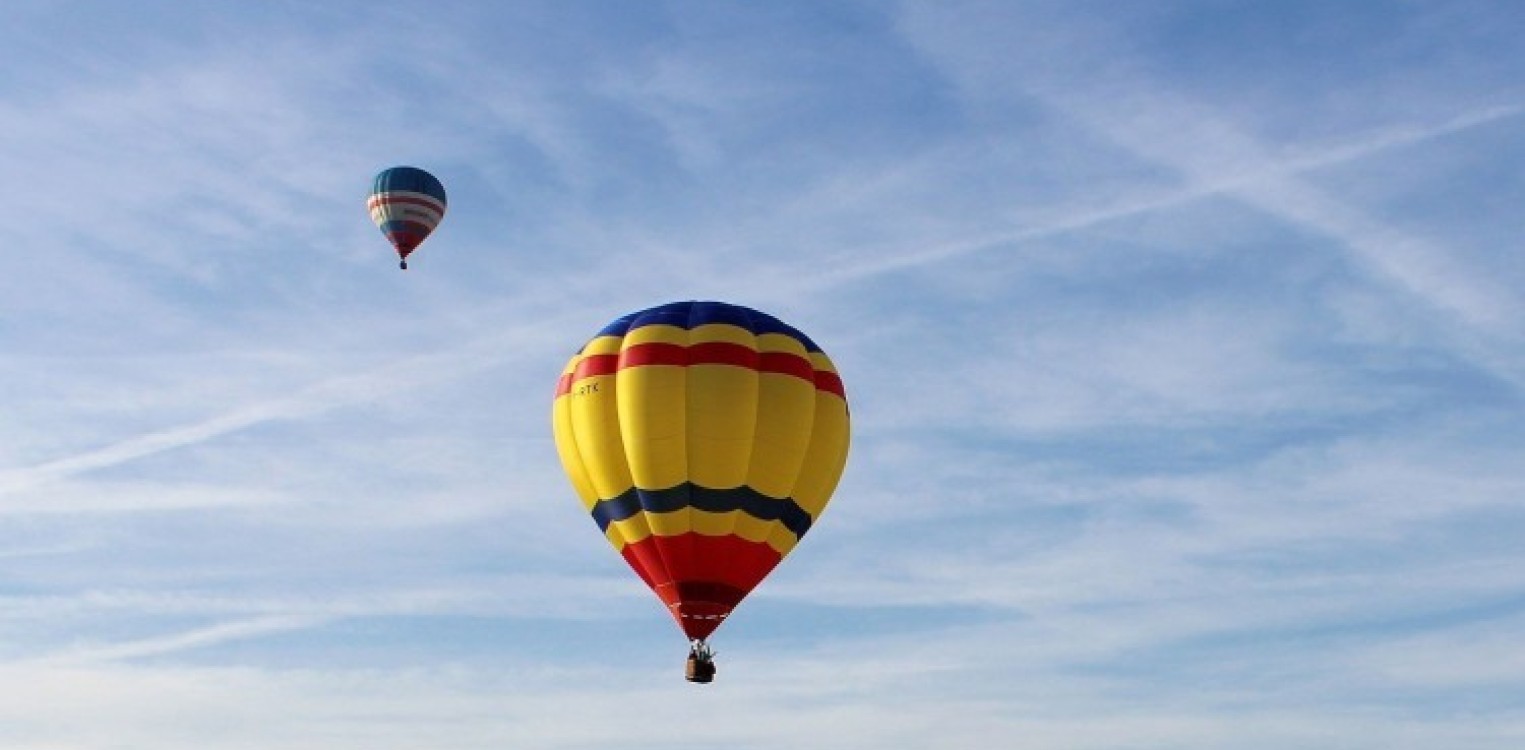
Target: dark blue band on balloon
(690, 315)
(689, 495)
(405, 225)
(410, 180)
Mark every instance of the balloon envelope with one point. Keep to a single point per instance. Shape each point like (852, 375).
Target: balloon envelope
(406, 203)
(704, 439)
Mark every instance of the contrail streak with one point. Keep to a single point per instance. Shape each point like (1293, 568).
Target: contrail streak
(193, 639)
(1088, 216)
(362, 387)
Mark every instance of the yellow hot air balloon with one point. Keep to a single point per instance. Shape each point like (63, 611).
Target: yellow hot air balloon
(704, 439)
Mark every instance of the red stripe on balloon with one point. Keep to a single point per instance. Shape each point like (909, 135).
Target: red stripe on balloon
(830, 382)
(647, 563)
(700, 578)
(390, 198)
(709, 353)
(594, 365)
(785, 363)
(587, 367)
(706, 353)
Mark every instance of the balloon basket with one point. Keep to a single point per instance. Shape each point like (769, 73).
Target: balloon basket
(701, 663)
(699, 670)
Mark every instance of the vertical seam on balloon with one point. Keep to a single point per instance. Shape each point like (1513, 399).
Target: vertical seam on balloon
(810, 426)
(577, 453)
(756, 375)
(667, 569)
(687, 540)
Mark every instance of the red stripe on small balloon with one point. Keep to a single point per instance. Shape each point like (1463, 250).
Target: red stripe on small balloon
(390, 198)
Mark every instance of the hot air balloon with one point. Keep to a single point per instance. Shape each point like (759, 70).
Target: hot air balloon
(406, 203)
(704, 439)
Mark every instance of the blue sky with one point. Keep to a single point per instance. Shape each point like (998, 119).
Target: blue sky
(1183, 341)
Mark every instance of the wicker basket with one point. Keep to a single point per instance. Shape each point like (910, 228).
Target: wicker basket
(699, 670)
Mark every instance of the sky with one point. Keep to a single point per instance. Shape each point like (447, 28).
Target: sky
(1183, 341)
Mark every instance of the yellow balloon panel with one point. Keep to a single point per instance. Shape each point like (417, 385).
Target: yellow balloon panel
(785, 417)
(826, 457)
(571, 457)
(653, 424)
(595, 423)
(722, 417)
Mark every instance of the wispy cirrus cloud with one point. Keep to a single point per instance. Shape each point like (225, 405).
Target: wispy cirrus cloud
(1266, 182)
(1151, 413)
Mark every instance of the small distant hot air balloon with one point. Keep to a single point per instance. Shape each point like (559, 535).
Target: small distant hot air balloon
(705, 439)
(406, 203)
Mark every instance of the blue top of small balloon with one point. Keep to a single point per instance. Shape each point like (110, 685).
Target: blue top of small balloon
(409, 180)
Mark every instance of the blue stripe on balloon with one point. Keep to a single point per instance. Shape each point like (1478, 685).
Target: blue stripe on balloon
(409, 179)
(406, 225)
(689, 495)
(689, 315)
